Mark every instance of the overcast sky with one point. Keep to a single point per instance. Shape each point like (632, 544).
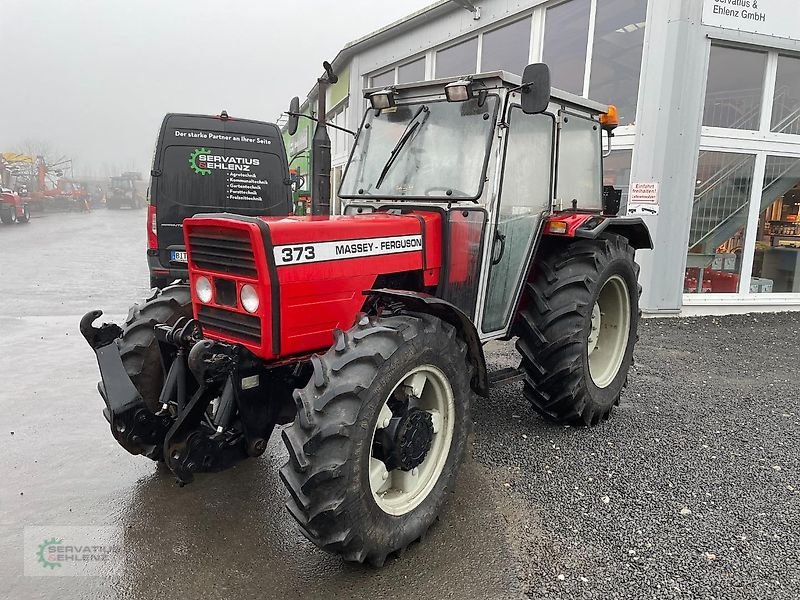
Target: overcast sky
(93, 78)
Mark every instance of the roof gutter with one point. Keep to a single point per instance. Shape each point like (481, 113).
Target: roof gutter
(424, 15)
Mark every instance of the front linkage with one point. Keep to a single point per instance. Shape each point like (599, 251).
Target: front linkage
(208, 420)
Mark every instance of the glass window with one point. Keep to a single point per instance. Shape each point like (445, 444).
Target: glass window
(735, 88)
(413, 71)
(525, 196)
(617, 172)
(461, 59)
(507, 48)
(434, 150)
(579, 166)
(786, 109)
(776, 264)
(719, 218)
(382, 79)
(566, 36)
(617, 55)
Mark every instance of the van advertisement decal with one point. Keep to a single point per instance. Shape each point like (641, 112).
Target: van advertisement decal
(202, 161)
(240, 138)
(242, 183)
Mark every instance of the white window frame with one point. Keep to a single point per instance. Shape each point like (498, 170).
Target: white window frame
(761, 144)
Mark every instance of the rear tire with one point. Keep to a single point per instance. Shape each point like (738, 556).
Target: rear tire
(578, 328)
(8, 216)
(138, 346)
(337, 497)
(26, 215)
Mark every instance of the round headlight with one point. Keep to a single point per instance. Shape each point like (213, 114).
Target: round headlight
(202, 287)
(249, 297)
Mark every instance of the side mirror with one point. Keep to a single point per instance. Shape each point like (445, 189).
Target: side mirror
(535, 89)
(294, 109)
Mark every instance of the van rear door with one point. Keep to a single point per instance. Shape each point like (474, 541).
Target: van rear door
(210, 164)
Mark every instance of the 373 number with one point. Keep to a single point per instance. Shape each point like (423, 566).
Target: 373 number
(296, 253)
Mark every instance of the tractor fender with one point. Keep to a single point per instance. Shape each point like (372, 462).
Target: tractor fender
(424, 303)
(632, 228)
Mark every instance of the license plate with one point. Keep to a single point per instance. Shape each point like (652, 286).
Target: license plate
(177, 256)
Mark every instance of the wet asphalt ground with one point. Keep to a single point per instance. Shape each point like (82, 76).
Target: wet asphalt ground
(692, 490)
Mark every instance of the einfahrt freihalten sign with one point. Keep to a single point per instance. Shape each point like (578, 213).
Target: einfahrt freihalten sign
(778, 18)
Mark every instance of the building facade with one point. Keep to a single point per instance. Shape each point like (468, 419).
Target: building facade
(708, 93)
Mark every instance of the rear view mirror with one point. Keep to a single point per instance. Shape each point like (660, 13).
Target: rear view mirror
(535, 89)
(294, 109)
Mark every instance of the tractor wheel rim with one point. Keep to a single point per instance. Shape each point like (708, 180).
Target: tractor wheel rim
(609, 331)
(398, 492)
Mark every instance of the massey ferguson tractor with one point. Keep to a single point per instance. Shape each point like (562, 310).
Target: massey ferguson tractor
(475, 211)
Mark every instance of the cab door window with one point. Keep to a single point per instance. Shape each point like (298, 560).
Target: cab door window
(525, 196)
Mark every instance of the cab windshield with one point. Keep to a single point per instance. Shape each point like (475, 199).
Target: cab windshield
(423, 150)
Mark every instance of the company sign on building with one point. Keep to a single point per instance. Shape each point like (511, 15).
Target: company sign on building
(779, 18)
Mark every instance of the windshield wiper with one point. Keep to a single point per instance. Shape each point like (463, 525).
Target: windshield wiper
(413, 125)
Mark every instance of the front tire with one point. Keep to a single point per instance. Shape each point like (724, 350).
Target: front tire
(138, 346)
(578, 328)
(379, 435)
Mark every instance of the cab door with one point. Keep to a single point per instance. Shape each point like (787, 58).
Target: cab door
(526, 194)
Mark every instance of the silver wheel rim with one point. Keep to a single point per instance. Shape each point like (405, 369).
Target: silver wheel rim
(398, 492)
(609, 331)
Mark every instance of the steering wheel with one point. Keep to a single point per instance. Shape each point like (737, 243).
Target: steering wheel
(453, 192)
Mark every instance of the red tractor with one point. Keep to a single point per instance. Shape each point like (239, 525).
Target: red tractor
(475, 211)
(13, 208)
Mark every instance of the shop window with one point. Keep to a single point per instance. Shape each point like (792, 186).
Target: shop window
(735, 88)
(617, 172)
(786, 109)
(461, 59)
(617, 55)
(507, 48)
(566, 36)
(719, 217)
(382, 79)
(413, 71)
(776, 264)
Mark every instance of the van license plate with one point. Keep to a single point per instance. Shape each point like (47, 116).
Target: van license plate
(178, 256)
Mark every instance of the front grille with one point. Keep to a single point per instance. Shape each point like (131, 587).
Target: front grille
(222, 251)
(231, 323)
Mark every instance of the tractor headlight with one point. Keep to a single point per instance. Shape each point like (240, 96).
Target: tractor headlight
(202, 287)
(249, 298)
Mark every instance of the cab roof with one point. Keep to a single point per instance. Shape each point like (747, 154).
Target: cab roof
(492, 80)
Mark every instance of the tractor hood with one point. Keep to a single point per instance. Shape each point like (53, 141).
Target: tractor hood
(308, 273)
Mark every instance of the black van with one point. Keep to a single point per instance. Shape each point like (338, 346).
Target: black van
(206, 164)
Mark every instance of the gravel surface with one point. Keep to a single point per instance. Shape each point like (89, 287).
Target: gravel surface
(691, 490)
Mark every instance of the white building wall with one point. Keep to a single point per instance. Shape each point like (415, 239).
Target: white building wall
(665, 140)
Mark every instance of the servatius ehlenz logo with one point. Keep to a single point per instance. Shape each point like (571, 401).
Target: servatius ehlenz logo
(197, 161)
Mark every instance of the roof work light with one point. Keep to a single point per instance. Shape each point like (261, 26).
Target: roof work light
(458, 91)
(382, 99)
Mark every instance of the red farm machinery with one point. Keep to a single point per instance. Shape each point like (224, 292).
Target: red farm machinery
(474, 211)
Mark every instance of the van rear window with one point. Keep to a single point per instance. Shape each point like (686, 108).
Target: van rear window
(221, 177)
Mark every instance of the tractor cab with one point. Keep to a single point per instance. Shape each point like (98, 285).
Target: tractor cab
(497, 155)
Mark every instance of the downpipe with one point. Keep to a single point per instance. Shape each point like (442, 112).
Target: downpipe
(184, 434)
